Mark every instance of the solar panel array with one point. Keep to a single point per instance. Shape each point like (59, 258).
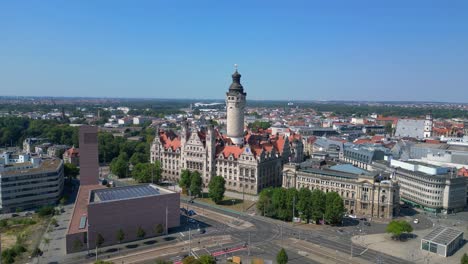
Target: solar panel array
(442, 235)
(127, 192)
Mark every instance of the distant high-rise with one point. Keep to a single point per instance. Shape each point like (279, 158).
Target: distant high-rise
(89, 158)
(235, 105)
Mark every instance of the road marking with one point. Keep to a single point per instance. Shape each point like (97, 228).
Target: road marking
(182, 234)
(363, 251)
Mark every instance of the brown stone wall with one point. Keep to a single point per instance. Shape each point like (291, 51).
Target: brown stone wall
(89, 159)
(106, 218)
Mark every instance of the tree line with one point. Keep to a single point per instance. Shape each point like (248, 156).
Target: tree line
(191, 183)
(284, 204)
(13, 131)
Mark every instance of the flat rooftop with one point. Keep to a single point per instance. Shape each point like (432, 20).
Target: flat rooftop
(47, 165)
(443, 235)
(80, 210)
(126, 192)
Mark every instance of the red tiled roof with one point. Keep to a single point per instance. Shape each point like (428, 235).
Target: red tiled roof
(463, 172)
(169, 141)
(236, 151)
(72, 152)
(362, 141)
(377, 139)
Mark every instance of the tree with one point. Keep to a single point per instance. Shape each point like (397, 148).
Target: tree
(147, 172)
(282, 257)
(77, 244)
(119, 166)
(159, 229)
(53, 222)
(120, 235)
(318, 205)
(185, 181)
(259, 125)
(464, 259)
(291, 201)
(206, 259)
(196, 182)
(216, 189)
(279, 200)
(140, 233)
(46, 210)
(62, 201)
(264, 204)
(334, 208)
(303, 204)
(398, 227)
(138, 157)
(70, 170)
(389, 128)
(99, 240)
(190, 260)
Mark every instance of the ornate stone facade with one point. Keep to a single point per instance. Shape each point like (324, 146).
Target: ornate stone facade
(247, 162)
(363, 195)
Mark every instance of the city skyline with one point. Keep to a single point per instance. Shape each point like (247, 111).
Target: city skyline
(388, 52)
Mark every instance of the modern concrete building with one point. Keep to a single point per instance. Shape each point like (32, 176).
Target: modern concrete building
(368, 195)
(443, 241)
(129, 208)
(433, 188)
(27, 183)
(102, 212)
(441, 153)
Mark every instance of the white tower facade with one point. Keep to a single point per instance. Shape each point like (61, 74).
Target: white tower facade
(428, 126)
(235, 107)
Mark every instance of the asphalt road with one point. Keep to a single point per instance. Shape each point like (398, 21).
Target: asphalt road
(266, 231)
(264, 238)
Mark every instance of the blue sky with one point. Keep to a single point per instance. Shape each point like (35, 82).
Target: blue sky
(310, 50)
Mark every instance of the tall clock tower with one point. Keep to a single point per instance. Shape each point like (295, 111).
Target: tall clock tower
(235, 107)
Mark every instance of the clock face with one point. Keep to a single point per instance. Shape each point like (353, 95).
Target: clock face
(247, 150)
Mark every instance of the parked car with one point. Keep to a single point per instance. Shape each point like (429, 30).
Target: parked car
(416, 221)
(367, 223)
(191, 212)
(363, 219)
(201, 230)
(191, 220)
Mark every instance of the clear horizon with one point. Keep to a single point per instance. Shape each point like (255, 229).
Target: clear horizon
(338, 51)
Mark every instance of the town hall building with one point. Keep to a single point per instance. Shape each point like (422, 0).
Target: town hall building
(248, 161)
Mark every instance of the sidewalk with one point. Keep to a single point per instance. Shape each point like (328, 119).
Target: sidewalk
(409, 250)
